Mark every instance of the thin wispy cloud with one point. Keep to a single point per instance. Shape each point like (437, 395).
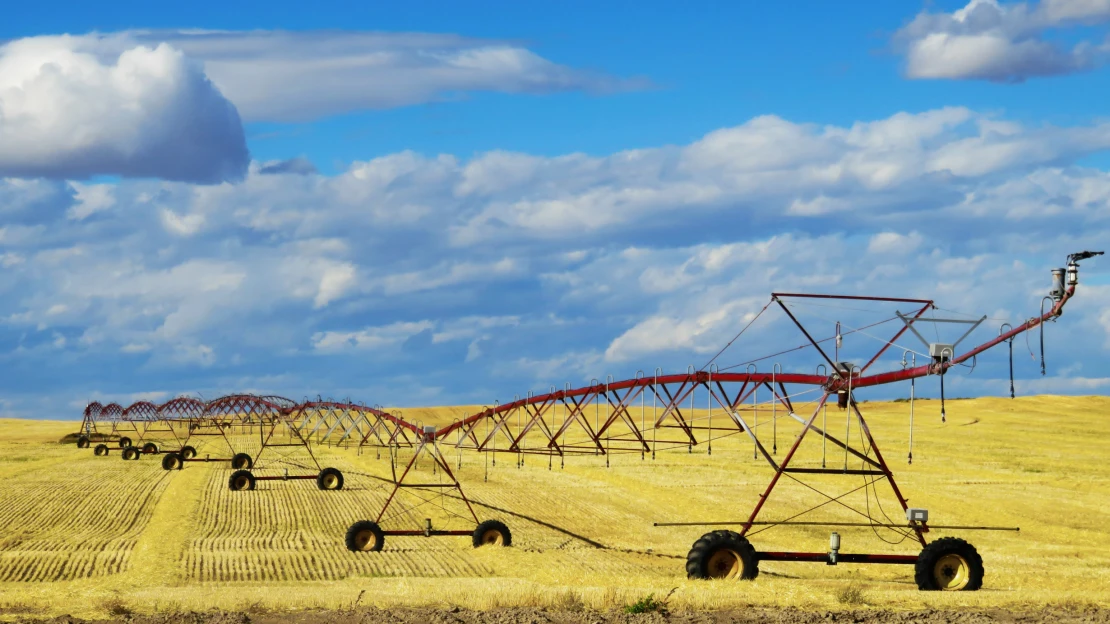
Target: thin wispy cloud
(290, 76)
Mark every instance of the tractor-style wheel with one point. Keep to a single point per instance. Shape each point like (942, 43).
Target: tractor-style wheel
(130, 453)
(241, 480)
(242, 461)
(492, 533)
(365, 535)
(82, 441)
(722, 555)
(100, 450)
(329, 479)
(188, 452)
(949, 564)
(150, 448)
(172, 461)
(124, 442)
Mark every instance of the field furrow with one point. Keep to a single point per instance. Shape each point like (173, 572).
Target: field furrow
(63, 529)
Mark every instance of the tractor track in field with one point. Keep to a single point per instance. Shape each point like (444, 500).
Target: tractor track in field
(1090, 615)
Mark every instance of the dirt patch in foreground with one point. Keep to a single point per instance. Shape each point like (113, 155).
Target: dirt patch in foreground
(544, 616)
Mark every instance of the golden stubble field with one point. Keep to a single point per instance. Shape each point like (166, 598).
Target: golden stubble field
(89, 535)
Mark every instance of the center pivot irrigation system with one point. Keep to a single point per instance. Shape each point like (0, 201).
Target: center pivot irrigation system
(614, 417)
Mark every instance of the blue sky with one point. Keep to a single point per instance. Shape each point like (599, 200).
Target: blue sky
(439, 203)
(713, 65)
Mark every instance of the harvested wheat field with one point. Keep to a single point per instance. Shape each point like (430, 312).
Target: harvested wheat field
(97, 537)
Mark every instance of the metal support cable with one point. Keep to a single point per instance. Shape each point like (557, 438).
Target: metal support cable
(737, 337)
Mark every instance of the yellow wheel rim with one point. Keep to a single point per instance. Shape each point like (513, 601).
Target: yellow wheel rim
(724, 564)
(366, 540)
(951, 572)
(493, 537)
(174, 463)
(241, 483)
(330, 481)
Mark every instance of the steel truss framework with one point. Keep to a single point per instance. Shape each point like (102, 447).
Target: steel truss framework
(645, 415)
(424, 492)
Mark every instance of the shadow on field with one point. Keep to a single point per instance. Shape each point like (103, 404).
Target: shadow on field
(553, 527)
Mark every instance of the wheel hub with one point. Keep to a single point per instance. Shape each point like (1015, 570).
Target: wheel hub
(951, 572)
(366, 540)
(724, 564)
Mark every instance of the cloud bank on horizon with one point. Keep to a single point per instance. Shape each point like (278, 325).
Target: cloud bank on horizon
(529, 269)
(411, 278)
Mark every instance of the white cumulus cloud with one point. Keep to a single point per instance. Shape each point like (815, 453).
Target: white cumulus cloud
(989, 40)
(66, 112)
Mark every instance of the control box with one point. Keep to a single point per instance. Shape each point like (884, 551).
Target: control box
(917, 515)
(941, 351)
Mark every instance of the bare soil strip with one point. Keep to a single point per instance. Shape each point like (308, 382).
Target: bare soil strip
(1087, 615)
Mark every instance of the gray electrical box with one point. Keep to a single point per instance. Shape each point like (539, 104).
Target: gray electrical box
(941, 350)
(917, 515)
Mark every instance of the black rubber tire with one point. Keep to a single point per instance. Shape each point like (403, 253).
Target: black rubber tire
(130, 453)
(188, 452)
(492, 533)
(242, 461)
(172, 461)
(124, 442)
(241, 480)
(329, 479)
(150, 448)
(82, 441)
(708, 550)
(365, 536)
(101, 449)
(931, 555)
